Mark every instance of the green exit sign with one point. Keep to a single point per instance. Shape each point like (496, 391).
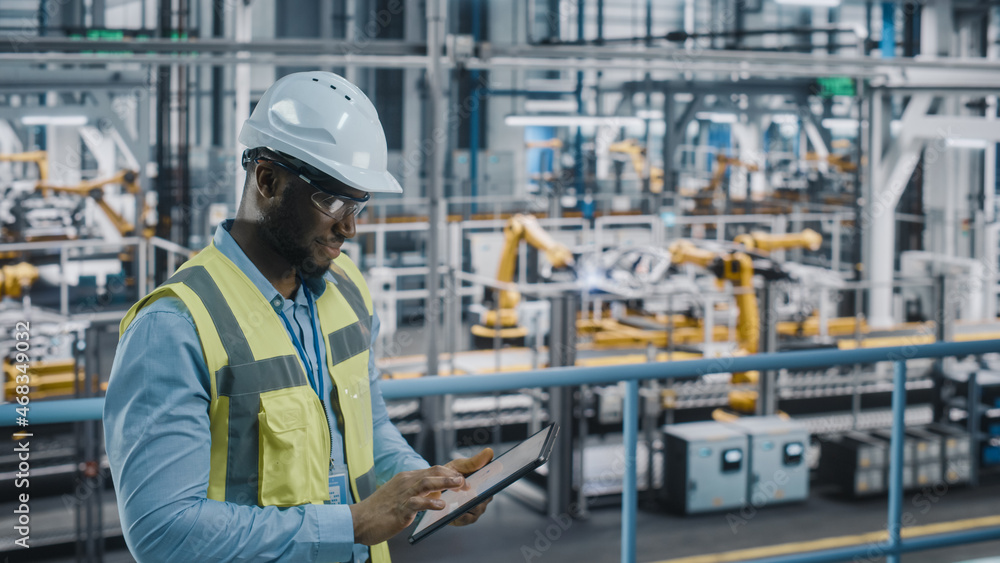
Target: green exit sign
(830, 86)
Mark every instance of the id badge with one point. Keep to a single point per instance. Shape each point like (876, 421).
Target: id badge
(338, 489)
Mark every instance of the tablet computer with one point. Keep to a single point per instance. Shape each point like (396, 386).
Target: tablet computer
(488, 480)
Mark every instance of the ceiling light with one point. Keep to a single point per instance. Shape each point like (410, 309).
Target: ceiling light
(571, 121)
(967, 143)
(840, 123)
(54, 120)
(785, 118)
(811, 3)
(716, 117)
(649, 114)
(550, 106)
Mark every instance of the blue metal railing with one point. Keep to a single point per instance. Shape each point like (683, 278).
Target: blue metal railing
(90, 409)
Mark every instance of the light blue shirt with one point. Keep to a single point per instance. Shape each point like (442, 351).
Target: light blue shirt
(158, 444)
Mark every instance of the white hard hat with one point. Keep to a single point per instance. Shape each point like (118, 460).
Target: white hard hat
(326, 122)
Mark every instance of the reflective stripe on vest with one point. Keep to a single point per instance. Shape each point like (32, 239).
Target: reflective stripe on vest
(270, 437)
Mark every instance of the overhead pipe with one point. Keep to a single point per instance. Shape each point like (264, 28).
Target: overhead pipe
(681, 35)
(501, 92)
(516, 56)
(17, 44)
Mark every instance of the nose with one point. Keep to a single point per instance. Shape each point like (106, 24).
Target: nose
(346, 227)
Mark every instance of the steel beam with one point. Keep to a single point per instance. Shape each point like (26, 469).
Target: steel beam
(296, 46)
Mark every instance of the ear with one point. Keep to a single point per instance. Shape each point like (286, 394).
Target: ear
(267, 180)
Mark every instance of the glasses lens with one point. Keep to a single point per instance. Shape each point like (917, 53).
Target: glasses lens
(337, 207)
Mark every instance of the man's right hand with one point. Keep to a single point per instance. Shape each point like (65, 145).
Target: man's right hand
(393, 506)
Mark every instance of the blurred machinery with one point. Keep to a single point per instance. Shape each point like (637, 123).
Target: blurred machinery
(705, 465)
(40, 158)
(502, 320)
(16, 278)
(95, 190)
(637, 156)
(48, 211)
(776, 453)
(857, 463)
(713, 199)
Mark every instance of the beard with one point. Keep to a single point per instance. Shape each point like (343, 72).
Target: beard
(284, 230)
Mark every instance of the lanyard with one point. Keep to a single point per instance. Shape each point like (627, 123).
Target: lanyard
(315, 376)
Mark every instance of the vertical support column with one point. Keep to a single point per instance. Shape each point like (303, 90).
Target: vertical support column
(972, 423)
(630, 492)
(944, 321)
(455, 296)
(669, 141)
(89, 513)
(474, 112)
(578, 166)
(243, 14)
(896, 460)
(142, 249)
(435, 171)
(562, 352)
(880, 217)
(63, 281)
(766, 393)
(835, 243)
(432, 408)
(351, 28)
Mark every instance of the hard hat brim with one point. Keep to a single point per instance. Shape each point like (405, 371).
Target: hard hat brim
(374, 181)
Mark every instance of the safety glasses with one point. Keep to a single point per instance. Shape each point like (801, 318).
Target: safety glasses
(337, 206)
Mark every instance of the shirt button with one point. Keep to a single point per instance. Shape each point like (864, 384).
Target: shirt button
(276, 302)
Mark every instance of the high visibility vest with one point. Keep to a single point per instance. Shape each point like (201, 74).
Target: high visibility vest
(269, 431)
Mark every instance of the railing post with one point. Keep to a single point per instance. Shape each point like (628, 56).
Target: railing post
(896, 460)
(630, 491)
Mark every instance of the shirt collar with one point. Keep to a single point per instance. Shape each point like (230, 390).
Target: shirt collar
(228, 246)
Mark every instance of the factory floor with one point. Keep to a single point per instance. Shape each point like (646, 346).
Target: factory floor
(509, 531)
(512, 532)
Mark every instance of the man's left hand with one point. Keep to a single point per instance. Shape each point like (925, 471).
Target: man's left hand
(466, 466)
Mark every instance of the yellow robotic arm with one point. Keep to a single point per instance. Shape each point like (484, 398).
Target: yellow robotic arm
(684, 252)
(736, 268)
(94, 189)
(40, 158)
(637, 155)
(519, 227)
(724, 162)
(767, 242)
(14, 279)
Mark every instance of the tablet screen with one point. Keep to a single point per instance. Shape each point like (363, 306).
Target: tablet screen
(500, 472)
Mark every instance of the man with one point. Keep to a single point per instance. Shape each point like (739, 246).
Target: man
(244, 420)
